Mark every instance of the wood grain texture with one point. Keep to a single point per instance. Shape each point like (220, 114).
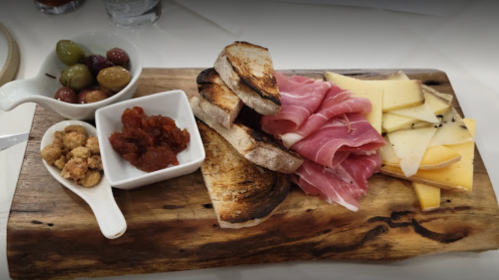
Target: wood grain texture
(52, 234)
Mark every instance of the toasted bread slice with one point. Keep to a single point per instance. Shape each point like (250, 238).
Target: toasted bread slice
(257, 147)
(248, 70)
(242, 193)
(218, 101)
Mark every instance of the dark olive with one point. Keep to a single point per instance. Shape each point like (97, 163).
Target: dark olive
(82, 95)
(66, 94)
(118, 56)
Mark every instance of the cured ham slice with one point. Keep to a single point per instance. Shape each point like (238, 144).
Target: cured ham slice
(336, 102)
(344, 185)
(300, 97)
(326, 125)
(342, 134)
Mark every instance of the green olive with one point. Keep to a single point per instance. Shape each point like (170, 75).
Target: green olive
(76, 77)
(69, 52)
(114, 78)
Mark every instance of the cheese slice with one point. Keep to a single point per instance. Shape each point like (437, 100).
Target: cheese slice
(393, 122)
(387, 153)
(457, 176)
(437, 105)
(439, 157)
(422, 112)
(444, 96)
(359, 89)
(433, 158)
(410, 146)
(428, 196)
(451, 131)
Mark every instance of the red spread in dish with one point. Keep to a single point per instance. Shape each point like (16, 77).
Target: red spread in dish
(149, 143)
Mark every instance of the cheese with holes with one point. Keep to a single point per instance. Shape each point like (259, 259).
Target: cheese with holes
(457, 176)
(410, 146)
(428, 196)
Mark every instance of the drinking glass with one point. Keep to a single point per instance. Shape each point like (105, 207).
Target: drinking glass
(57, 7)
(133, 13)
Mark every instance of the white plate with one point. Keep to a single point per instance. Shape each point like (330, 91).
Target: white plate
(9, 56)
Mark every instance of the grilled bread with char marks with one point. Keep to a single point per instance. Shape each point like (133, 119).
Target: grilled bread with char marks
(248, 71)
(256, 146)
(242, 193)
(218, 101)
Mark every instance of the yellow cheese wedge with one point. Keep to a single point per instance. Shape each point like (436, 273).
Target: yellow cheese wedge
(395, 94)
(451, 131)
(408, 118)
(428, 196)
(437, 104)
(422, 113)
(434, 157)
(410, 146)
(457, 176)
(393, 122)
(359, 89)
(439, 157)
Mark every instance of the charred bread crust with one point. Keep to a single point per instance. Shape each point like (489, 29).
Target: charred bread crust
(248, 70)
(242, 193)
(218, 100)
(255, 146)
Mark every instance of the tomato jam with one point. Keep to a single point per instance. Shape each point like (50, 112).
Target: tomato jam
(149, 143)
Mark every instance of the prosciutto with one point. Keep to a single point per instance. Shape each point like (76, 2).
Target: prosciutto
(337, 138)
(300, 97)
(336, 102)
(344, 185)
(326, 125)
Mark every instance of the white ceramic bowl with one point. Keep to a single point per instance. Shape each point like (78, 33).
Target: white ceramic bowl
(99, 197)
(42, 88)
(174, 104)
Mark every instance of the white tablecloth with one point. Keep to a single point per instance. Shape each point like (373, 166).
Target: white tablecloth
(463, 41)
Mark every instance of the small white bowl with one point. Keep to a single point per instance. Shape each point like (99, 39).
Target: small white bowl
(100, 197)
(42, 88)
(174, 104)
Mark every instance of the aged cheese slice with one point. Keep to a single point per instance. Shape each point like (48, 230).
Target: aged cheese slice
(428, 196)
(451, 131)
(434, 157)
(400, 94)
(422, 112)
(457, 176)
(410, 146)
(437, 105)
(359, 89)
(393, 122)
(444, 96)
(439, 157)
(387, 153)
(427, 112)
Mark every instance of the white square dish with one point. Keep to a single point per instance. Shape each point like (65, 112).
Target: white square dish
(174, 104)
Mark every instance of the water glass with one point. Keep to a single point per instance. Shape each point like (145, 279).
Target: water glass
(57, 7)
(133, 13)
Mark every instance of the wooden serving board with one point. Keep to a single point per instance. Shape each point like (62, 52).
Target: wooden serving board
(52, 233)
